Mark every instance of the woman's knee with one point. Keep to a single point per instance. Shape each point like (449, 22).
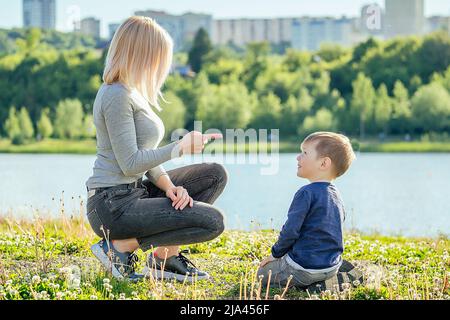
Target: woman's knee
(215, 222)
(219, 222)
(218, 171)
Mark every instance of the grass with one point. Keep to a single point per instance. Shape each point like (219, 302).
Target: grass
(49, 258)
(403, 147)
(55, 146)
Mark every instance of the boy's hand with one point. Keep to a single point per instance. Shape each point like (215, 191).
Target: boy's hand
(267, 260)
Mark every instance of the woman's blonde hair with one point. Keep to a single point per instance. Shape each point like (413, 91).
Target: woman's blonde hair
(139, 57)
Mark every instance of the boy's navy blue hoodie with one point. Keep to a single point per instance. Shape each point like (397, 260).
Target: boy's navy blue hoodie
(312, 234)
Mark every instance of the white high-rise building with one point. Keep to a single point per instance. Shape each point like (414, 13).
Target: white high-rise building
(112, 28)
(437, 23)
(404, 17)
(310, 33)
(90, 26)
(243, 31)
(192, 22)
(39, 13)
(182, 28)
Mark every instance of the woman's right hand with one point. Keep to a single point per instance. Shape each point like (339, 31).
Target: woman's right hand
(194, 142)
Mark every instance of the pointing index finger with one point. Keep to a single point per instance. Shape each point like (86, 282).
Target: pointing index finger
(212, 136)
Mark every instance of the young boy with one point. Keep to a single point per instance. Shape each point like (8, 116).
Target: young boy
(310, 243)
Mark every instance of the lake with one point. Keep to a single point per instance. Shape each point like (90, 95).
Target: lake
(392, 194)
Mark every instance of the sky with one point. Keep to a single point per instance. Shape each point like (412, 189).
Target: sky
(112, 11)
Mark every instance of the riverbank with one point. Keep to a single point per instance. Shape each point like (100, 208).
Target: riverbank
(54, 146)
(50, 259)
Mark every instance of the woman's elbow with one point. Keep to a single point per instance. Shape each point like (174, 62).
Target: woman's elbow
(129, 171)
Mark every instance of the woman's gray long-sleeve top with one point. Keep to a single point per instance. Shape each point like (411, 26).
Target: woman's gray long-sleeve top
(128, 135)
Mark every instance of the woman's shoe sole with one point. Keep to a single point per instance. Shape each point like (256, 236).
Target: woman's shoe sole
(105, 261)
(158, 275)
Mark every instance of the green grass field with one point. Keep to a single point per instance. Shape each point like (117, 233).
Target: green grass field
(49, 258)
(54, 146)
(50, 146)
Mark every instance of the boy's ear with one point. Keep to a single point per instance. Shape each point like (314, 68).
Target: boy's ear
(326, 163)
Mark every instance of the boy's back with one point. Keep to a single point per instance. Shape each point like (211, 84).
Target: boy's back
(312, 235)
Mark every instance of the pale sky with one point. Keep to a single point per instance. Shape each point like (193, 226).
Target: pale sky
(111, 11)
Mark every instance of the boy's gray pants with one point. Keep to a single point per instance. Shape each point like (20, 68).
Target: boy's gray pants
(283, 268)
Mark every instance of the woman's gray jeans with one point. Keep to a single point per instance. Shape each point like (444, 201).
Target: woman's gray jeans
(145, 213)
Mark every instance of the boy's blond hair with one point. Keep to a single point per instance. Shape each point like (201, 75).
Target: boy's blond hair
(335, 146)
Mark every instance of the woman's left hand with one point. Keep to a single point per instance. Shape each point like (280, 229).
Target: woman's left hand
(180, 197)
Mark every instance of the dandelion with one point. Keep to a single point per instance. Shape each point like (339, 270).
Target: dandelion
(36, 279)
(75, 283)
(93, 297)
(13, 292)
(346, 286)
(43, 295)
(51, 276)
(417, 296)
(64, 271)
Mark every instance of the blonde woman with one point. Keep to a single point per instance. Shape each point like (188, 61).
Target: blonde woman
(167, 209)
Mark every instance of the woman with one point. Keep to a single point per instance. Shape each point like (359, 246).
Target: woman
(167, 209)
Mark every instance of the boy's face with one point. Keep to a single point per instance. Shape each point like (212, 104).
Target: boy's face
(310, 165)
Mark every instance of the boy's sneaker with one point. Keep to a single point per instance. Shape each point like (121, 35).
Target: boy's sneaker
(178, 267)
(121, 265)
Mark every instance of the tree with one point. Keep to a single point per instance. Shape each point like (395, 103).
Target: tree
(201, 47)
(26, 126)
(12, 125)
(31, 42)
(223, 70)
(322, 121)
(362, 101)
(189, 92)
(294, 60)
(435, 50)
(278, 81)
(226, 106)
(331, 52)
(443, 79)
(294, 111)
(44, 125)
(173, 113)
(257, 49)
(431, 108)
(360, 51)
(69, 119)
(267, 114)
(401, 108)
(383, 109)
(88, 129)
(386, 64)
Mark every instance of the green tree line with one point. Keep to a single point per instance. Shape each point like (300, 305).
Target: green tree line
(395, 87)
